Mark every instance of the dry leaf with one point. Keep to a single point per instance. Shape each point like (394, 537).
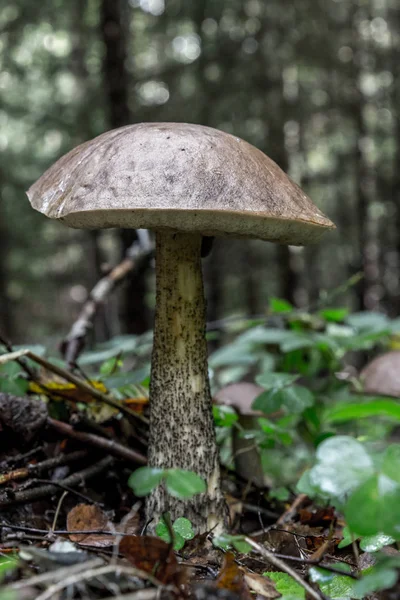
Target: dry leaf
(152, 555)
(231, 578)
(261, 585)
(91, 518)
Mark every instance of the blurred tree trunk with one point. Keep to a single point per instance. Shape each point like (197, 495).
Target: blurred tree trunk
(213, 265)
(83, 132)
(394, 272)
(271, 80)
(133, 312)
(6, 317)
(367, 296)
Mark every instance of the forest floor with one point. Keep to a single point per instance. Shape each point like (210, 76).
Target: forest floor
(71, 527)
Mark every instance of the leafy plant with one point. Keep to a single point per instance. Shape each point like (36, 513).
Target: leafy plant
(182, 531)
(178, 482)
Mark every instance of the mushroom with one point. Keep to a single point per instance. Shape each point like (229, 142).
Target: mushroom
(382, 375)
(183, 181)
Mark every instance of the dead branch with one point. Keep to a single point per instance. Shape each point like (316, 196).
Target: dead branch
(8, 499)
(74, 342)
(282, 566)
(110, 446)
(45, 465)
(80, 383)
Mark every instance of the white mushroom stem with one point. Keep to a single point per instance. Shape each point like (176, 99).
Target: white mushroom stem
(181, 423)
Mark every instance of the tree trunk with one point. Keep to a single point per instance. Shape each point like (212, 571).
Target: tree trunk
(182, 431)
(6, 322)
(133, 312)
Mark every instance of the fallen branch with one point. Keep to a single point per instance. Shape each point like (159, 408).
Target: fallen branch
(112, 568)
(74, 342)
(282, 566)
(8, 499)
(45, 465)
(80, 383)
(108, 445)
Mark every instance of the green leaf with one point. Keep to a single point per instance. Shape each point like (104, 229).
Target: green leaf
(268, 402)
(340, 588)
(334, 315)
(286, 585)
(277, 305)
(391, 462)
(163, 532)
(183, 531)
(111, 366)
(296, 398)
(342, 465)
(184, 484)
(375, 507)
(348, 538)
(280, 493)
(184, 528)
(237, 542)
(342, 412)
(224, 416)
(373, 543)
(17, 387)
(120, 380)
(323, 576)
(233, 354)
(376, 579)
(368, 321)
(276, 380)
(145, 479)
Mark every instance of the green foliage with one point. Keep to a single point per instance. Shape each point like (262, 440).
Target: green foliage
(182, 530)
(366, 487)
(12, 380)
(286, 585)
(179, 483)
(227, 542)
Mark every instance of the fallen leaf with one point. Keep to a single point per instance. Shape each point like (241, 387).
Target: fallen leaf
(261, 585)
(91, 518)
(231, 578)
(69, 391)
(154, 556)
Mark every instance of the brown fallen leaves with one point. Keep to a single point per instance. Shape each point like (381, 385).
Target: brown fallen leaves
(242, 582)
(90, 518)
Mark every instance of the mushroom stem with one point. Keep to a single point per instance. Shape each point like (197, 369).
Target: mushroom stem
(181, 423)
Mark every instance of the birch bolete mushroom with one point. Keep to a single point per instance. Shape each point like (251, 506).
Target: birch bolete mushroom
(183, 181)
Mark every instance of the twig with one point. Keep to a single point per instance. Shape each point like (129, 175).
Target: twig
(45, 465)
(46, 532)
(110, 446)
(145, 594)
(91, 574)
(48, 490)
(62, 486)
(292, 510)
(57, 574)
(282, 566)
(74, 342)
(60, 502)
(106, 398)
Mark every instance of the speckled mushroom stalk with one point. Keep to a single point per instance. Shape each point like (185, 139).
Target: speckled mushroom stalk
(181, 423)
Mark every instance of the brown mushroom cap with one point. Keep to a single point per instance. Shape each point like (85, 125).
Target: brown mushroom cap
(178, 176)
(240, 396)
(382, 375)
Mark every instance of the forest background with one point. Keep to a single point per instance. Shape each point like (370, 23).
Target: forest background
(313, 83)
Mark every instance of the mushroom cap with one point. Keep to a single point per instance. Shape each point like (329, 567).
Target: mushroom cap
(382, 375)
(178, 176)
(240, 396)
